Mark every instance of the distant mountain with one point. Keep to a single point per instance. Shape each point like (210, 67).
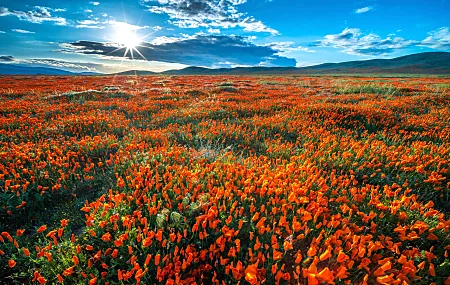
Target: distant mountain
(420, 63)
(194, 70)
(137, 72)
(12, 69)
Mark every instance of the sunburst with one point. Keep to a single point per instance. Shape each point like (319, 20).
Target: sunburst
(126, 38)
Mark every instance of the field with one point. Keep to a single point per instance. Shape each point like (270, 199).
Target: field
(224, 180)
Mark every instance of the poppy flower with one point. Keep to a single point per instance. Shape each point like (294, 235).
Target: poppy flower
(11, 263)
(42, 229)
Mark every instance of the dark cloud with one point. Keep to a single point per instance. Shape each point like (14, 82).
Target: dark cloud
(6, 58)
(38, 15)
(207, 13)
(197, 50)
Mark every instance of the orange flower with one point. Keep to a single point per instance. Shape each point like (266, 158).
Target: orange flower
(326, 275)
(106, 237)
(251, 273)
(386, 279)
(68, 271)
(325, 255)
(26, 252)
(19, 232)
(75, 260)
(42, 228)
(157, 259)
(11, 263)
(118, 242)
(341, 257)
(312, 251)
(382, 269)
(277, 255)
(431, 270)
(147, 259)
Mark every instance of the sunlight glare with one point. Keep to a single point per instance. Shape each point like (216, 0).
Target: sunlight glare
(127, 37)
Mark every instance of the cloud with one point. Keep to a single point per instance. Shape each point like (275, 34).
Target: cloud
(94, 3)
(288, 47)
(363, 10)
(207, 14)
(89, 24)
(20, 31)
(353, 41)
(438, 39)
(38, 15)
(213, 31)
(119, 26)
(198, 50)
(6, 58)
(123, 26)
(2, 32)
(71, 66)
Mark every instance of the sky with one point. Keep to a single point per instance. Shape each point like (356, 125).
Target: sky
(157, 35)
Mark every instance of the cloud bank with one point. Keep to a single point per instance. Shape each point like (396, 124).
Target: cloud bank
(207, 14)
(200, 50)
(71, 66)
(353, 41)
(38, 15)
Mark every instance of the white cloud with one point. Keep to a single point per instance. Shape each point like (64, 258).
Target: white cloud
(213, 31)
(363, 10)
(438, 39)
(94, 3)
(288, 47)
(20, 31)
(353, 41)
(125, 26)
(77, 66)
(39, 15)
(167, 40)
(89, 24)
(2, 32)
(208, 14)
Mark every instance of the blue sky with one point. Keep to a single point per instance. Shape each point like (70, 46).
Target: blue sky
(111, 36)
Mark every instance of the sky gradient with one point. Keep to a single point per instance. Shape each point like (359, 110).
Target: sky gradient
(157, 35)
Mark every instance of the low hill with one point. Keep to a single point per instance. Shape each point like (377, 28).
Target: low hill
(12, 69)
(421, 63)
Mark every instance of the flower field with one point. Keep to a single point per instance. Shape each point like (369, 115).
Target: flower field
(224, 180)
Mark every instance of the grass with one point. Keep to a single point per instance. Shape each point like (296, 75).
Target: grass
(368, 89)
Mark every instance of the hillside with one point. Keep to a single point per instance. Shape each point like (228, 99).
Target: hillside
(421, 63)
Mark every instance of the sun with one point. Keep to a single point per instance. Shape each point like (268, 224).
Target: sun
(127, 38)
(125, 35)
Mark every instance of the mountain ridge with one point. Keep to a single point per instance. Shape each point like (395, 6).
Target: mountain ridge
(17, 69)
(433, 63)
(420, 63)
